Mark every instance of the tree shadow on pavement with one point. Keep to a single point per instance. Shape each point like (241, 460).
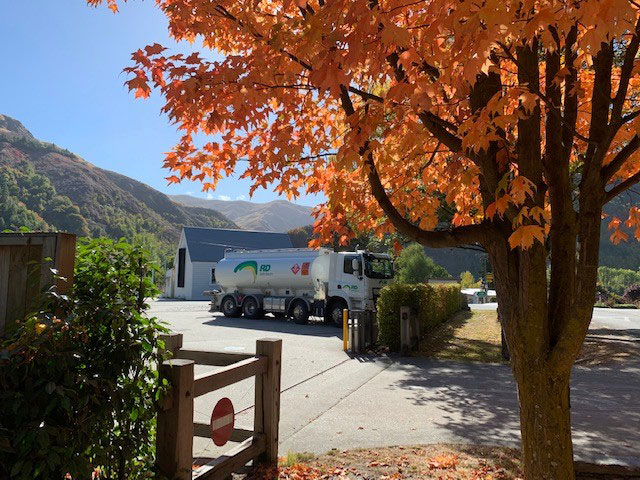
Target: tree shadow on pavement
(275, 325)
(629, 333)
(603, 350)
(478, 404)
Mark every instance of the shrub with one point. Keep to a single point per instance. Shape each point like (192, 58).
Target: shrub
(78, 386)
(616, 280)
(467, 280)
(632, 294)
(432, 303)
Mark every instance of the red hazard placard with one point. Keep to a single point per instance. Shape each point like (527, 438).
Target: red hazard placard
(222, 422)
(295, 269)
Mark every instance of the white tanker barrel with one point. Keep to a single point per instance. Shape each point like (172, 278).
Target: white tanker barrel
(294, 270)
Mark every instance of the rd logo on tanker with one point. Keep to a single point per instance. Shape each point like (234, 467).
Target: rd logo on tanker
(252, 265)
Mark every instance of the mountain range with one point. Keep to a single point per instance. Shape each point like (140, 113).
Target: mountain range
(275, 216)
(43, 186)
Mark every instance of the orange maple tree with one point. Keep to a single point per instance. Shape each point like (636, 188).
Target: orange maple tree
(522, 117)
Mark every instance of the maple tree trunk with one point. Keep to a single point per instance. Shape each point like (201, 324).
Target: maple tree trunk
(545, 423)
(532, 328)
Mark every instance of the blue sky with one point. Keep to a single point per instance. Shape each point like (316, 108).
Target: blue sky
(62, 78)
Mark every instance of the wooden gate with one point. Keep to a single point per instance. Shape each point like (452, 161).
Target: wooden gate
(27, 261)
(176, 428)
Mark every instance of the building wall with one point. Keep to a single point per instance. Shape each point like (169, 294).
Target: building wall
(169, 284)
(186, 291)
(201, 279)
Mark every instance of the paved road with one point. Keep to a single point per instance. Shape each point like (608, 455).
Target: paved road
(603, 318)
(332, 400)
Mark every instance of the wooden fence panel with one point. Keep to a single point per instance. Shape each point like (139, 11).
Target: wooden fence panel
(4, 284)
(176, 427)
(26, 263)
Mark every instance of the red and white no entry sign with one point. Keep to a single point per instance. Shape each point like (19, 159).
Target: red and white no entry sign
(222, 420)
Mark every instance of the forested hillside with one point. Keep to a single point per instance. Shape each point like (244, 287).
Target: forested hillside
(45, 187)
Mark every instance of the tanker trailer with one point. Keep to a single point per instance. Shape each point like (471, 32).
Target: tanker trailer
(298, 282)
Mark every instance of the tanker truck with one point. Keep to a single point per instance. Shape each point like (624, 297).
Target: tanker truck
(299, 282)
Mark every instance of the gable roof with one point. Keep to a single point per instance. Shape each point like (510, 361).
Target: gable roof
(209, 244)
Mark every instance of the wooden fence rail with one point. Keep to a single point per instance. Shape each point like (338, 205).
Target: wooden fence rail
(176, 428)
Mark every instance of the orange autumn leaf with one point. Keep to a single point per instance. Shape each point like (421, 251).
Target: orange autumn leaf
(525, 235)
(498, 207)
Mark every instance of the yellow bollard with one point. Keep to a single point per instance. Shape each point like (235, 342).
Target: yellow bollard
(345, 329)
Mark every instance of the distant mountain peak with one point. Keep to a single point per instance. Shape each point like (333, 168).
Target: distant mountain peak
(275, 216)
(14, 126)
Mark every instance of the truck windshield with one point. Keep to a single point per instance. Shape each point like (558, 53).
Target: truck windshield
(376, 267)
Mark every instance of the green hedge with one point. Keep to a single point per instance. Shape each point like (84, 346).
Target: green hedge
(433, 303)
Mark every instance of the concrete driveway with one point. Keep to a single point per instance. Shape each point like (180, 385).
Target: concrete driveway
(330, 400)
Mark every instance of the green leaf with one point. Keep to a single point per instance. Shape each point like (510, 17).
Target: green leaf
(16, 468)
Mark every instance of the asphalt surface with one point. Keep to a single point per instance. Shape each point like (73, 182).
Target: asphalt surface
(610, 322)
(331, 400)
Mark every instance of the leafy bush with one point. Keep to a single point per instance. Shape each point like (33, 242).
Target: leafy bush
(432, 303)
(78, 387)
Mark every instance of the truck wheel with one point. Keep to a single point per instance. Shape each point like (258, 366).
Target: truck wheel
(300, 312)
(334, 315)
(251, 309)
(230, 307)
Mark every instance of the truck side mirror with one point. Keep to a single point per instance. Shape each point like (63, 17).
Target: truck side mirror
(355, 266)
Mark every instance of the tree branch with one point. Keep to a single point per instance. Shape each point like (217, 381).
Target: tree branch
(622, 156)
(453, 237)
(622, 186)
(625, 76)
(570, 113)
(543, 97)
(438, 127)
(431, 122)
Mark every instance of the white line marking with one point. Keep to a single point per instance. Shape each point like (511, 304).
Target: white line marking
(222, 422)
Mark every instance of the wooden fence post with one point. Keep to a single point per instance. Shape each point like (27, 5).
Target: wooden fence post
(405, 330)
(172, 342)
(174, 441)
(267, 405)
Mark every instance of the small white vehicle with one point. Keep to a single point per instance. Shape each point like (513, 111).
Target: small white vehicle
(299, 282)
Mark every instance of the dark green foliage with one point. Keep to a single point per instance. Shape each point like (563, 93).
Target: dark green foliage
(616, 280)
(432, 303)
(301, 236)
(413, 266)
(78, 388)
(13, 213)
(632, 295)
(29, 199)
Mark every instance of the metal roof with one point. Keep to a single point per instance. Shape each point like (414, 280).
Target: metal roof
(209, 244)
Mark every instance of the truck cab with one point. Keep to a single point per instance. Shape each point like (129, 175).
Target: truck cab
(359, 277)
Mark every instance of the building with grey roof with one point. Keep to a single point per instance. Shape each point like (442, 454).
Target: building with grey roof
(199, 251)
